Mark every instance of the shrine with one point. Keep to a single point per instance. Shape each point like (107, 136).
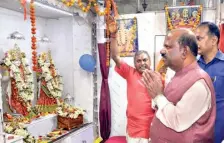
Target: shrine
(75, 71)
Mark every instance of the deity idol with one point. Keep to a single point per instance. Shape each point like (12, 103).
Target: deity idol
(20, 87)
(49, 84)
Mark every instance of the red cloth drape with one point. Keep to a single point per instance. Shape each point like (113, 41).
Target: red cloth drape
(44, 99)
(221, 41)
(105, 104)
(16, 103)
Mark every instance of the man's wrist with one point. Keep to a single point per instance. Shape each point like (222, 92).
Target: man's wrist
(161, 101)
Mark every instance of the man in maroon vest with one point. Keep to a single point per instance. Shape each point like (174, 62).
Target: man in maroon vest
(186, 108)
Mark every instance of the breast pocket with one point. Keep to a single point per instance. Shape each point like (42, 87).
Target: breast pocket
(218, 82)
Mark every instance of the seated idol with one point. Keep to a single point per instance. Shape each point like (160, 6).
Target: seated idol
(49, 84)
(19, 89)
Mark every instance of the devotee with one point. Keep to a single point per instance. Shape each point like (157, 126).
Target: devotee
(212, 61)
(186, 108)
(139, 108)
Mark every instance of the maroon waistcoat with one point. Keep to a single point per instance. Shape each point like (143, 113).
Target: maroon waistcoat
(202, 130)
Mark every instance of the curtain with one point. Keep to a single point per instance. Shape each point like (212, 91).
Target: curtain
(221, 41)
(105, 104)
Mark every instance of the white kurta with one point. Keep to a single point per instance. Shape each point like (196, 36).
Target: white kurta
(194, 103)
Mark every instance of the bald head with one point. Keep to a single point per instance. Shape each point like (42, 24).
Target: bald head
(180, 48)
(177, 33)
(185, 38)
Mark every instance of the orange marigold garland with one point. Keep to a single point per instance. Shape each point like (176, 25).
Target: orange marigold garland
(107, 36)
(111, 25)
(93, 3)
(68, 3)
(33, 38)
(23, 3)
(87, 8)
(106, 10)
(112, 20)
(193, 26)
(108, 48)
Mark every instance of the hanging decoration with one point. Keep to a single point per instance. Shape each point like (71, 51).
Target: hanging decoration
(23, 3)
(87, 62)
(108, 53)
(106, 10)
(183, 17)
(111, 24)
(111, 27)
(33, 32)
(70, 3)
(81, 6)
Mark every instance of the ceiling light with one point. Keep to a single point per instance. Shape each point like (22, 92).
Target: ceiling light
(16, 36)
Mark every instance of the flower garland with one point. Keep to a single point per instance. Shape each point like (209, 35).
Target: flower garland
(122, 38)
(169, 23)
(106, 10)
(198, 17)
(133, 30)
(66, 110)
(33, 38)
(70, 3)
(53, 80)
(108, 51)
(84, 9)
(111, 26)
(111, 21)
(19, 129)
(107, 46)
(23, 3)
(23, 81)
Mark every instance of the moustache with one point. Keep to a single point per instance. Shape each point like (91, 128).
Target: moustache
(143, 67)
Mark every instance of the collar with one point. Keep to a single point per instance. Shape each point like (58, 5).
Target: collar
(219, 55)
(187, 68)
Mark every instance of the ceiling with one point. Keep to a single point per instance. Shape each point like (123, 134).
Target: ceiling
(124, 7)
(41, 10)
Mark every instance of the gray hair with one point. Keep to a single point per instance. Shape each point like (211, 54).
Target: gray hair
(189, 40)
(141, 52)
